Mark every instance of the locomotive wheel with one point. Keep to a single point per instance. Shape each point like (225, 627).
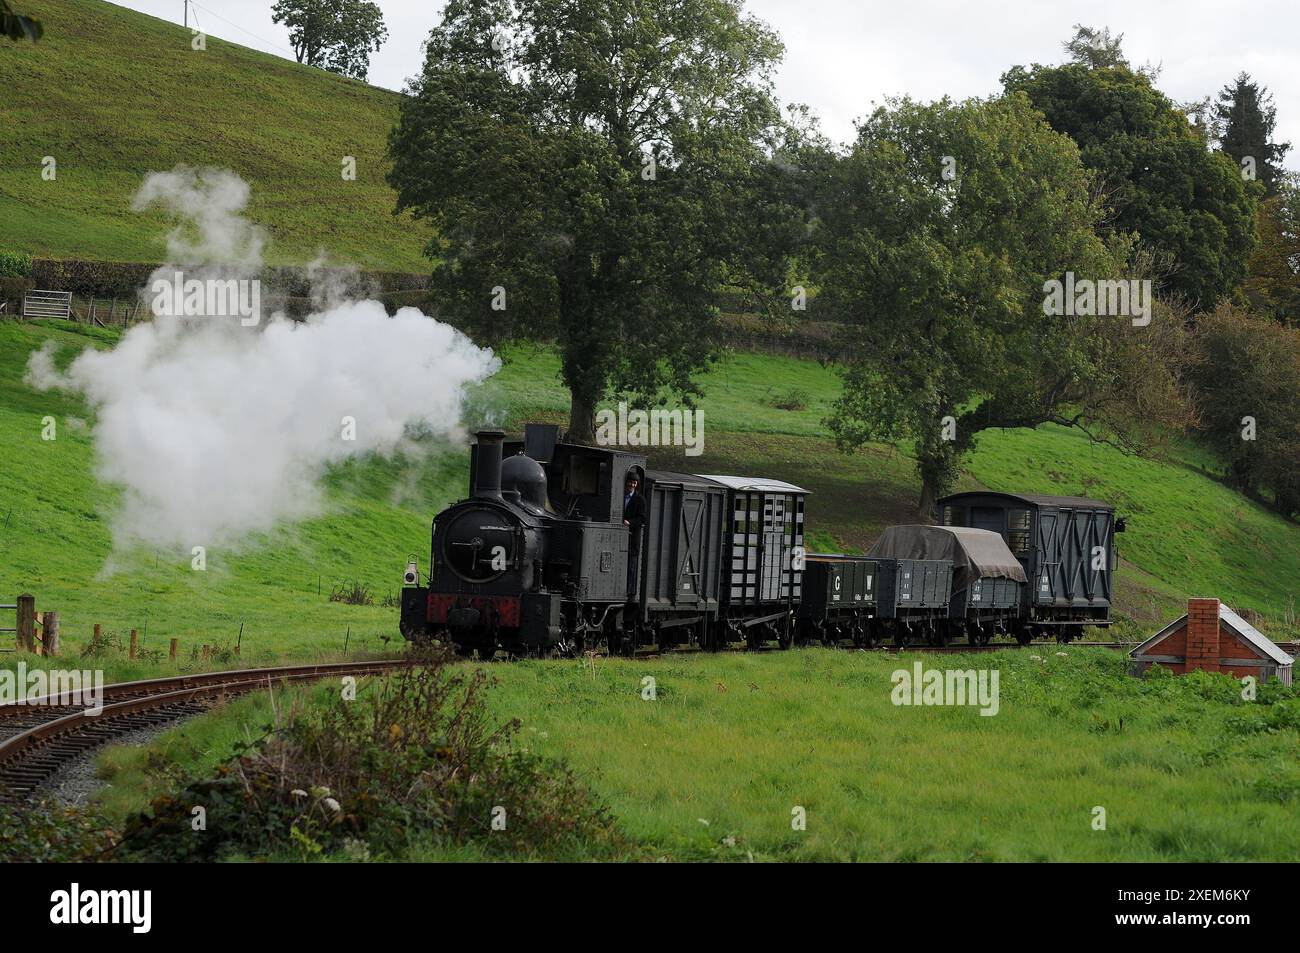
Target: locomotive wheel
(785, 634)
(487, 654)
(1024, 636)
(463, 651)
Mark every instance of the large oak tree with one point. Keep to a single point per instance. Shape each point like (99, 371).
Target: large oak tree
(1185, 202)
(936, 235)
(595, 171)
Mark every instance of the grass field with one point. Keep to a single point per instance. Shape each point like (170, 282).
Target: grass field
(112, 94)
(714, 767)
(1188, 534)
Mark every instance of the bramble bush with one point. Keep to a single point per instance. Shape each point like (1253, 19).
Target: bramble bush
(39, 834)
(413, 758)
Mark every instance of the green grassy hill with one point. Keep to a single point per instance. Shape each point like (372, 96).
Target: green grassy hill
(1189, 535)
(113, 94)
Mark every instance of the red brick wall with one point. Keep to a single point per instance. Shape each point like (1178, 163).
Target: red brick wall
(1203, 634)
(1175, 643)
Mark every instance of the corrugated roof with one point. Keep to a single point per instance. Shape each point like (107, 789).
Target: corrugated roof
(1261, 642)
(1037, 499)
(757, 484)
(1253, 636)
(673, 476)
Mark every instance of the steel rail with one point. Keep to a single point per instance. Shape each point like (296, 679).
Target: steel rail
(31, 757)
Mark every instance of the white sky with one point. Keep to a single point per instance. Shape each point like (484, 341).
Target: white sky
(843, 55)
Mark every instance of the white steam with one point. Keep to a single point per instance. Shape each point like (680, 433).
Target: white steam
(211, 231)
(216, 430)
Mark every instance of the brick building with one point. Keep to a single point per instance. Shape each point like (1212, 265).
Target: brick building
(1213, 638)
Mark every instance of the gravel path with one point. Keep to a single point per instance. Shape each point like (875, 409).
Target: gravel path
(75, 782)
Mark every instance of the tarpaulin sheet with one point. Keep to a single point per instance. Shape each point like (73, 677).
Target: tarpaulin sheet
(975, 553)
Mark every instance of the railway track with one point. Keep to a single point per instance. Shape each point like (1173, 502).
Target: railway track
(41, 736)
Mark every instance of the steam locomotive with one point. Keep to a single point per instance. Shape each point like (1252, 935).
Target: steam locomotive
(536, 561)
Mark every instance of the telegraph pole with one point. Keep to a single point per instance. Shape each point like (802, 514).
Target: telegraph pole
(187, 13)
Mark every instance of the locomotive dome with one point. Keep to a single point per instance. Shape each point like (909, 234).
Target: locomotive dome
(521, 472)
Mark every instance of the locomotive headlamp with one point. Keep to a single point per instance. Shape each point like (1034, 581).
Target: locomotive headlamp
(412, 575)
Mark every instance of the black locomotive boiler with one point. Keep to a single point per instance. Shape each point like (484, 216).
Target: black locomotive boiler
(536, 561)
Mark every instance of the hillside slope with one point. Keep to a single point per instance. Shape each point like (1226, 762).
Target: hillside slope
(113, 94)
(1188, 535)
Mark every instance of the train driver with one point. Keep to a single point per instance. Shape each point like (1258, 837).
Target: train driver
(634, 520)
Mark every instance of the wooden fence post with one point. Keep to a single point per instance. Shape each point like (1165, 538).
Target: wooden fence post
(95, 640)
(171, 654)
(207, 652)
(26, 635)
(134, 641)
(51, 634)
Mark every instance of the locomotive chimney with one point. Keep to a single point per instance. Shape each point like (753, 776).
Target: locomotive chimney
(487, 468)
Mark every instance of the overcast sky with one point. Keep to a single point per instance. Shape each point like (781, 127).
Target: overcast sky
(843, 55)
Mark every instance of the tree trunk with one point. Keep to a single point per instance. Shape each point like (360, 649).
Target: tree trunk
(582, 419)
(925, 507)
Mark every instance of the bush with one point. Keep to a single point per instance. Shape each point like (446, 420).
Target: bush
(794, 399)
(13, 289)
(1249, 368)
(414, 757)
(354, 594)
(15, 264)
(41, 834)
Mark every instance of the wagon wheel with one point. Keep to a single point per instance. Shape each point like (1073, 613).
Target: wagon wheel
(785, 633)
(627, 643)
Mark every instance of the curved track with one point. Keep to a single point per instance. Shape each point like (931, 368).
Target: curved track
(41, 735)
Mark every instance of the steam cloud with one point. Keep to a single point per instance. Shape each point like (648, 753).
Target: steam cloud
(217, 430)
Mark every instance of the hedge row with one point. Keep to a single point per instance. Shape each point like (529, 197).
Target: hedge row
(115, 279)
